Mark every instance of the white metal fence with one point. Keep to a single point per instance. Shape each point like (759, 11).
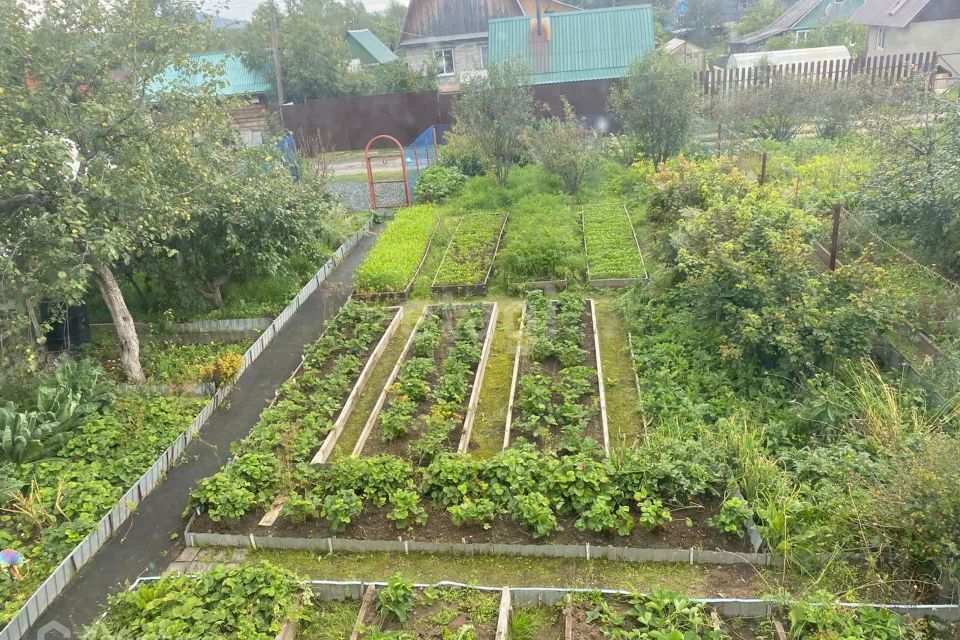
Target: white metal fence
(69, 567)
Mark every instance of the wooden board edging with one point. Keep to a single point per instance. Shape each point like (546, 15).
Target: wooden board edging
(326, 449)
(382, 398)
(503, 616)
(513, 378)
(476, 289)
(603, 395)
(471, 415)
(365, 605)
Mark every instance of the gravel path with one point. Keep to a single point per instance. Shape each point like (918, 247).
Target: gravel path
(356, 195)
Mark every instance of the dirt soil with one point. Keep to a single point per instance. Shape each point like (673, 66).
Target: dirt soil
(400, 446)
(372, 524)
(437, 610)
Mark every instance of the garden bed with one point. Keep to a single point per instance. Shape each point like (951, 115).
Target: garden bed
(394, 263)
(467, 263)
(432, 613)
(614, 257)
(687, 538)
(553, 393)
(434, 386)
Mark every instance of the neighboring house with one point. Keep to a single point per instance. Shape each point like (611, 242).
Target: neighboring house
(236, 81)
(591, 44)
(688, 52)
(367, 50)
(911, 26)
(452, 34)
(798, 20)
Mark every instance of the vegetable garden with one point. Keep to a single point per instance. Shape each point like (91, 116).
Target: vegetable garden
(468, 259)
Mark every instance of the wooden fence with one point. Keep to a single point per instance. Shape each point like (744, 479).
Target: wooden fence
(887, 68)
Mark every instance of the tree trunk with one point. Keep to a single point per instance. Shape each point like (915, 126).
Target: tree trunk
(212, 289)
(123, 323)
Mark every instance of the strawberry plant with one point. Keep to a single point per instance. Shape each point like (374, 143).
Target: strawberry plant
(406, 509)
(395, 600)
(481, 511)
(341, 508)
(535, 512)
(733, 513)
(653, 515)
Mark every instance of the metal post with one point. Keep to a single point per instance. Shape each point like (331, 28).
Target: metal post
(835, 240)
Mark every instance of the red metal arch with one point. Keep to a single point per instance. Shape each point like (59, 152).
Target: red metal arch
(403, 163)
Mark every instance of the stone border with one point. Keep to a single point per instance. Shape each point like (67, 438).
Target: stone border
(478, 289)
(402, 296)
(601, 393)
(470, 414)
(692, 556)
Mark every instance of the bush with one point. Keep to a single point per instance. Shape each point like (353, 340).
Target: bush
(437, 183)
(461, 152)
(564, 148)
(681, 183)
(223, 370)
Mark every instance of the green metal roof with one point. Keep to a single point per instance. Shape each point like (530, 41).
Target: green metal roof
(236, 78)
(368, 47)
(584, 45)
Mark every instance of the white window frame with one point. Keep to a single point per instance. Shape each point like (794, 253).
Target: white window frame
(800, 36)
(439, 55)
(881, 38)
(839, 1)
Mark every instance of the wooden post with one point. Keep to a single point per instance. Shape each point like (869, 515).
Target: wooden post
(763, 169)
(835, 239)
(796, 193)
(719, 136)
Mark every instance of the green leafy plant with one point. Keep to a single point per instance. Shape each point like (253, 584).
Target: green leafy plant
(396, 598)
(406, 509)
(437, 183)
(733, 513)
(470, 251)
(535, 512)
(341, 508)
(391, 263)
(653, 515)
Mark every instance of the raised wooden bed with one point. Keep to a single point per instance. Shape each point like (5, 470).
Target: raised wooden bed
(326, 448)
(547, 286)
(476, 289)
(613, 283)
(401, 296)
(592, 336)
(470, 414)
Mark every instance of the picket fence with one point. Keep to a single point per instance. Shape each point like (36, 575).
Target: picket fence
(70, 566)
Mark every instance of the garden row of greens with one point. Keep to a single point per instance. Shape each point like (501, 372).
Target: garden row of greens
(254, 602)
(471, 251)
(557, 394)
(290, 431)
(747, 355)
(68, 460)
(426, 405)
(392, 263)
(612, 250)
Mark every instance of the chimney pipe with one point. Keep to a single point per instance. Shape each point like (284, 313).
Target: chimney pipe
(539, 20)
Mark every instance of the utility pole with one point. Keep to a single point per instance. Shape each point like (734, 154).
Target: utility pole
(275, 45)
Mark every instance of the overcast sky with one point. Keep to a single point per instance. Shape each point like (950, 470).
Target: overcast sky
(243, 9)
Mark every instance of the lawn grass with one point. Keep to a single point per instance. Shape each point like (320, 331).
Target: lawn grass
(487, 438)
(623, 413)
(378, 378)
(704, 581)
(328, 620)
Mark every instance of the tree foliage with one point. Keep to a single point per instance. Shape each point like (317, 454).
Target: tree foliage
(657, 104)
(746, 267)
(565, 148)
(496, 111)
(760, 14)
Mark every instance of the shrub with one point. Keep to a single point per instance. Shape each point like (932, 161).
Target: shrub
(564, 148)
(396, 598)
(437, 183)
(462, 153)
(223, 370)
(682, 183)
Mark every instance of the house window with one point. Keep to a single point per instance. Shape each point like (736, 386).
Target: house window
(483, 56)
(444, 61)
(839, 1)
(801, 36)
(881, 37)
(743, 4)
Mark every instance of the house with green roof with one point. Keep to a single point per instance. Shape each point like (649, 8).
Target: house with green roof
(233, 79)
(367, 50)
(798, 20)
(593, 44)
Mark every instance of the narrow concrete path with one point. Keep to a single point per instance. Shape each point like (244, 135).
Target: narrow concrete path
(153, 537)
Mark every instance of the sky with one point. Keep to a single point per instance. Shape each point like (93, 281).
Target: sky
(243, 9)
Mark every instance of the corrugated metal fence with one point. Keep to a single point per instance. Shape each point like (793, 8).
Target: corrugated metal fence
(69, 567)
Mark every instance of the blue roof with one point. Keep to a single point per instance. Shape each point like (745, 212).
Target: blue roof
(236, 78)
(591, 44)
